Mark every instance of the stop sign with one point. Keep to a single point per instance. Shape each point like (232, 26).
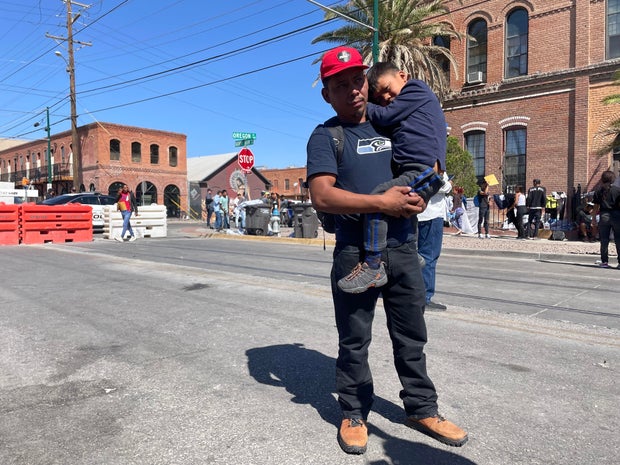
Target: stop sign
(245, 158)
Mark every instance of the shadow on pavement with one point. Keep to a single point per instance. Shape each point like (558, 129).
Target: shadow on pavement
(309, 377)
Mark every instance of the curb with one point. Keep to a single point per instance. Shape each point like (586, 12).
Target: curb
(574, 258)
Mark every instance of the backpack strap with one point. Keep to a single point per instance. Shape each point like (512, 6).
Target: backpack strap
(337, 133)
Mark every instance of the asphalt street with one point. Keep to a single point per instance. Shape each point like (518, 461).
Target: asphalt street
(191, 350)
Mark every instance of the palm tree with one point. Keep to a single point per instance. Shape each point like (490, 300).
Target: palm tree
(614, 127)
(407, 36)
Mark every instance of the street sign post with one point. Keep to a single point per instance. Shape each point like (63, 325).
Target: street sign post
(245, 159)
(244, 135)
(243, 142)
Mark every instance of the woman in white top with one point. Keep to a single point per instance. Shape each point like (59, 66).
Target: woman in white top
(519, 204)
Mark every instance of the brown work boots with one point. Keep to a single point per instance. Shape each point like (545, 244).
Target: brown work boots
(353, 435)
(439, 428)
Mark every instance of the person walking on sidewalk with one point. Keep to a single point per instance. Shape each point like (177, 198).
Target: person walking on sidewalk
(126, 202)
(536, 201)
(342, 186)
(607, 205)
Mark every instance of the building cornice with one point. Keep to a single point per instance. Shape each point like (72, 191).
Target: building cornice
(530, 85)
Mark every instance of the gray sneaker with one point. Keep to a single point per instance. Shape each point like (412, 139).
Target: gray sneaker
(363, 278)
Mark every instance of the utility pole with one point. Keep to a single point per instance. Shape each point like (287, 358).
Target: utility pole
(75, 140)
(49, 148)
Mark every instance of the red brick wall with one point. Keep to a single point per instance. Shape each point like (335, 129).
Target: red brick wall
(279, 177)
(560, 98)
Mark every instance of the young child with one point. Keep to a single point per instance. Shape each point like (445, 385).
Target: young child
(410, 111)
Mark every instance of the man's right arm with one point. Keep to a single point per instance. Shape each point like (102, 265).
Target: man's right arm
(397, 201)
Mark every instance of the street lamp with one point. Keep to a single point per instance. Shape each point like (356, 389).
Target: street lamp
(75, 141)
(49, 148)
(374, 27)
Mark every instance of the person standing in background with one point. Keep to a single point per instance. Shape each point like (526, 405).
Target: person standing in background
(217, 208)
(483, 210)
(209, 207)
(519, 205)
(607, 204)
(430, 239)
(536, 202)
(224, 207)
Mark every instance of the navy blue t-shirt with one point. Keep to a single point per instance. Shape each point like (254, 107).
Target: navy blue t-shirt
(364, 165)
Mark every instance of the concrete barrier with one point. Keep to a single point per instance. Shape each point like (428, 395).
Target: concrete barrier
(150, 222)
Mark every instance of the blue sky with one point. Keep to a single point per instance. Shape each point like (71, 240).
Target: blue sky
(203, 68)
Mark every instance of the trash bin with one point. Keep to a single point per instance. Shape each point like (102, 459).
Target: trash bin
(305, 221)
(257, 219)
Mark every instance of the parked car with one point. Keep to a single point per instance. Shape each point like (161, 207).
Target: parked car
(96, 200)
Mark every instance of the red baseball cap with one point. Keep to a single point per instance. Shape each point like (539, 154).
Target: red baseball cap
(340, 58)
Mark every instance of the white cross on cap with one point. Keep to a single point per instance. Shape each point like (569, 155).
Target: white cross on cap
(344, 56)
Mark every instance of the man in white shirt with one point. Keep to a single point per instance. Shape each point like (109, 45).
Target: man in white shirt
(430, 238)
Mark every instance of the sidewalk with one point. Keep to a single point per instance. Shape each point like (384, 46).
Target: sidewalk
(501, 242)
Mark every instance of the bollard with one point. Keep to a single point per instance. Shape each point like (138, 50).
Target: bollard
(275, 225)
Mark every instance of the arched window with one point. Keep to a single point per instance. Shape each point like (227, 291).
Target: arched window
(444, 63)
(172, 201)
(154, 154)
(515, 154)
(616, 155)
(136, 152)
(613, 29)
(115, 149)
(516, 43)
(146, 193)
(173, 156)
(115, 187)
(475, 145)
(477, 52)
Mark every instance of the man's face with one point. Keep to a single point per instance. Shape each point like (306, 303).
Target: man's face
(347, 93)
(125, 188)
(388, 87)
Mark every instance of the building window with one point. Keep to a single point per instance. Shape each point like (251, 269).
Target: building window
(516, 43)
(115, 149)
(173, 156)
(613, 29)
(477, 51)
(154, 154)
(515, 146)
(287, 184)
(136, 152)
(475, 145)
(442, 60)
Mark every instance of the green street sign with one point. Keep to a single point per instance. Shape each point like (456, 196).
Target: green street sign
(244, 135)
(243, 142)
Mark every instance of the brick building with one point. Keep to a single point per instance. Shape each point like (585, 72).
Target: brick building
(152, 162)
(528, 85)
(287, 181)
(221, 172)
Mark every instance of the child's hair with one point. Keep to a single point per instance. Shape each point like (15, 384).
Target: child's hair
(379, 69)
